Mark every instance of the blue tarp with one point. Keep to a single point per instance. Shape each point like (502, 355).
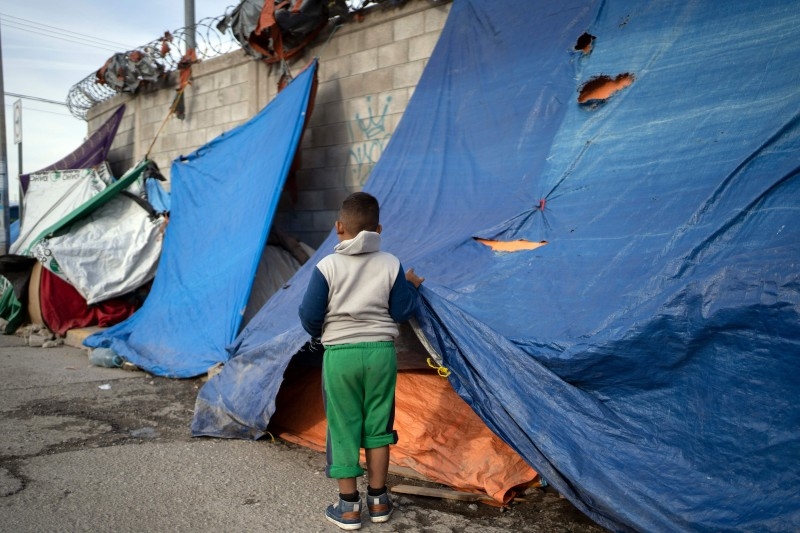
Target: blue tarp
(223, 199)
(645, 359)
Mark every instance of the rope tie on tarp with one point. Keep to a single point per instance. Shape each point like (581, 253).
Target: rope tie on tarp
(177, 106)
(166, 118)
(441, 370)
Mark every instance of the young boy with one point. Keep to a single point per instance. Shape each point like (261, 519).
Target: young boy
(354, 299)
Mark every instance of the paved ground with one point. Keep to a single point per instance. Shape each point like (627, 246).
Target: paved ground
(84, 448)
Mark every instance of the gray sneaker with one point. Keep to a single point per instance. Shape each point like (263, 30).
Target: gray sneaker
(380, 507)
(346, 515)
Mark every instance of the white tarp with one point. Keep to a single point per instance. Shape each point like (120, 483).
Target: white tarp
(53, 195)
(109, 253)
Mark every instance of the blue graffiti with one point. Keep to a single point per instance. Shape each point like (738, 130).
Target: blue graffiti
(365, 154)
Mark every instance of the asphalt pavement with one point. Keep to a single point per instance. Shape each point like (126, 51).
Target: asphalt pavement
(86, 448)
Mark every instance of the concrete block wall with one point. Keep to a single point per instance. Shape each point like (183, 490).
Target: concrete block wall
(368, 72)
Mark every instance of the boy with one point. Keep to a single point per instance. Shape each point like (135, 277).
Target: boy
(354, 299)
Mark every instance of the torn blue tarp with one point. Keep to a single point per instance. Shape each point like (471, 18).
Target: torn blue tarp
(644, 360)
(223, 199)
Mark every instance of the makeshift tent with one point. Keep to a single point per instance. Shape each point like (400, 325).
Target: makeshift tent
(644, 359)
(99, 244)
(54, 194)
(223, 198)
(15, 274)
(110, 244)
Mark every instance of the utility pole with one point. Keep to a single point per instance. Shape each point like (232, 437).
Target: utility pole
(5, 219)
(188, 19)
(18, 132)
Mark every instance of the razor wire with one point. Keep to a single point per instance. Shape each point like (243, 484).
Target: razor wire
(213, 36)
(156, 58)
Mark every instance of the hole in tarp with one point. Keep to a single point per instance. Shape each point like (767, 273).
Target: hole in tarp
(603, 87)
(585, 43)
(511, 246)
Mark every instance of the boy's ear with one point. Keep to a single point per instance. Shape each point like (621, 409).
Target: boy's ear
(379, 229)
(339, 228)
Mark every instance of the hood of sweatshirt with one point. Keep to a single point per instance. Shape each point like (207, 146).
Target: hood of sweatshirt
(363, 243)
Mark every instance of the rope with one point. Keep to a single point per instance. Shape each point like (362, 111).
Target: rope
(441, 370)
(164, 122)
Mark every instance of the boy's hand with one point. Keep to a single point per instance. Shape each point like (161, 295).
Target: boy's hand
(413, 278)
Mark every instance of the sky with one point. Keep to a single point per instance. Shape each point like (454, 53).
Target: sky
(48, 46)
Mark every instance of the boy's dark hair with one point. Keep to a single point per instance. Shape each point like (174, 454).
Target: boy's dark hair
(360, 212)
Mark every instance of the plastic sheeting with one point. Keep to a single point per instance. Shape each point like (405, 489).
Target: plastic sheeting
(441, 438)
(645, 359)
(54, 194)
(91, 153)
(108, 253)
(101, 238)
(276, 30)
(223, 198)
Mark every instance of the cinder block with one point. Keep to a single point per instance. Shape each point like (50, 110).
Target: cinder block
(328, 91)
(408, 75)
(311, 158)
(337, 156)
(436, 17)
(330, 134)
(198, 137)
(409, 26)
(349, 43)
(326, 113)
(352, 86)
(222, 115)
(393, 54)
(421, 47)
(240, 111)
(334, 68)
(378, 35)
(364, 61)
(378, 81)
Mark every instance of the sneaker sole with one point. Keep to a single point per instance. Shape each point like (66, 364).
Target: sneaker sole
(345, 526)
(380, 519)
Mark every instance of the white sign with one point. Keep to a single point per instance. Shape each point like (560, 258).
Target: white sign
(18, 122)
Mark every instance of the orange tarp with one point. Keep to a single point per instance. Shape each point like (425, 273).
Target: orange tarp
(440, 437)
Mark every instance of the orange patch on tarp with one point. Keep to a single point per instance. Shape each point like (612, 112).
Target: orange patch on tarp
(603, 87)
(440, 436)
(511, 246)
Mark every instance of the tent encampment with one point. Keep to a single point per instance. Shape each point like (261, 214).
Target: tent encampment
(642, 357)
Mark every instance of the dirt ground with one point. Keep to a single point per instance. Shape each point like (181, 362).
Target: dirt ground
(160, 409)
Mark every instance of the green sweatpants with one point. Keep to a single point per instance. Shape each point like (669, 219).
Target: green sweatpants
(358, 384)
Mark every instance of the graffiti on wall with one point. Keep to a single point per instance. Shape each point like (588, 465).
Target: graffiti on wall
(372, 138)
